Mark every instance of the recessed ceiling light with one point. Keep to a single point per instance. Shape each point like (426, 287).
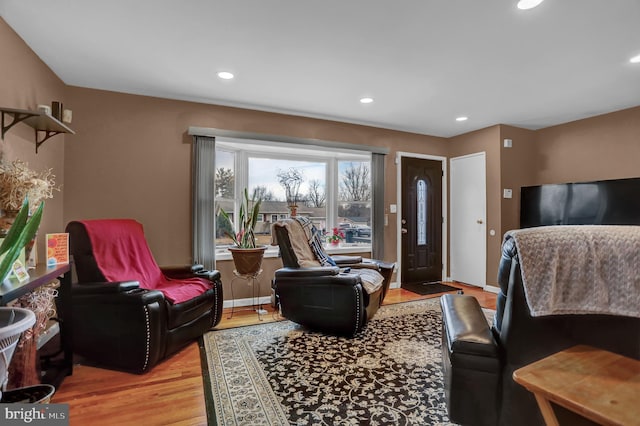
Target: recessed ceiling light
(528, 4)
(635, 59)
(366, 100)
(462, 118)
(225, 75)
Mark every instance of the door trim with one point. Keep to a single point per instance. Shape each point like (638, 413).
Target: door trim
(445, 236)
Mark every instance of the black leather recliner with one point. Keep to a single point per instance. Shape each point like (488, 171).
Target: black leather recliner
(121, 326)
(479, 360)
(327, 298)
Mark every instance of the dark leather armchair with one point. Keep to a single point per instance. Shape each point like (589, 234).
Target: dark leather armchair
(128, 313)
(479, 360)
(333, 299)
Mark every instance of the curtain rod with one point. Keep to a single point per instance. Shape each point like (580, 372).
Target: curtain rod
(213, 132)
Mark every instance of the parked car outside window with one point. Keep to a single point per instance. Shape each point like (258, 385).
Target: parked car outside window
(363, 231)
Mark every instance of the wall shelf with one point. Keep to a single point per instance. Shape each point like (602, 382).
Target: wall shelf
(45, 125)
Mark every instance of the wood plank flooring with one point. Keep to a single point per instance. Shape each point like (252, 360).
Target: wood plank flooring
(172, 393)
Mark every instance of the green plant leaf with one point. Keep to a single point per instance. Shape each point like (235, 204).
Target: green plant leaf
(246, 221)
(229, 234)
(14, 231)
(26, 234)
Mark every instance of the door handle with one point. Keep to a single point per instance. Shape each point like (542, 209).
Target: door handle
(479, 221)
(403, 230)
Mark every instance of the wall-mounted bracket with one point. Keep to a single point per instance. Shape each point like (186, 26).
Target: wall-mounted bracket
(16, 115)
(46, 134)
(44, 124)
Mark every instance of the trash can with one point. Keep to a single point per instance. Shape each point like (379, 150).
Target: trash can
(36, 394)
(13, 322)
(349, 235)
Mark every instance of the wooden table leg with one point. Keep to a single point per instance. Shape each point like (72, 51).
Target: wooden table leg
(546, 410)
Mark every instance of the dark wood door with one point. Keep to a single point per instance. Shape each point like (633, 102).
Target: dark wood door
(421, 220)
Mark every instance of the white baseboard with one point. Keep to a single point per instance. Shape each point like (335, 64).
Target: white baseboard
(249, 301)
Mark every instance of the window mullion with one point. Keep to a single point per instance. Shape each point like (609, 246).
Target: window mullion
(332, 193)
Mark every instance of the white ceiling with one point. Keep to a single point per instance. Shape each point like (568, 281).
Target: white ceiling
(425, 62)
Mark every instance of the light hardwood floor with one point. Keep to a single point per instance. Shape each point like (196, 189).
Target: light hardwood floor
(172, 393)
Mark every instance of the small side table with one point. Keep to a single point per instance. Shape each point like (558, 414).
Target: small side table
(250, 279)
(599, 385)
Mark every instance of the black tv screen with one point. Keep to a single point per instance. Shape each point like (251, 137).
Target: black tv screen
(605, 202)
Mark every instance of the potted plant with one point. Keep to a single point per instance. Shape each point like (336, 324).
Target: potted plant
(335, 238)
(247, 255)
(291, 180)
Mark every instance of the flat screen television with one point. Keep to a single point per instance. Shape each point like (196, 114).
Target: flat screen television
(605, 202)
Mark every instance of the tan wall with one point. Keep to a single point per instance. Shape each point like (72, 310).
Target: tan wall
(487, 141)
(131, 157)
(518, 168)
(602, 147)
(25, 82)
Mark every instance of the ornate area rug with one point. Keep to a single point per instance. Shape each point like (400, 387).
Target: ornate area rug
(280, 373)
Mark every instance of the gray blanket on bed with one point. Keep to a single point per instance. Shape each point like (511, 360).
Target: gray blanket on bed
(580, 269)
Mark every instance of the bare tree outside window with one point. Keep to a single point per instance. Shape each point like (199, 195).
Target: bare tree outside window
(354, 206)
(316, 197)
(356, 183)
(291, 180)
(261, 192)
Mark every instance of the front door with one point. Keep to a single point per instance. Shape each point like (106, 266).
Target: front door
(421, 222)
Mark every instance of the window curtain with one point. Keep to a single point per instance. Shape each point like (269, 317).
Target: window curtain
(377, 205)
(203, 201)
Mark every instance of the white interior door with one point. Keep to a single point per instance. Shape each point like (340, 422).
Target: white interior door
(468, 219)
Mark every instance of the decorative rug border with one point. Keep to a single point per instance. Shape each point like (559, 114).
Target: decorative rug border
(206, 382)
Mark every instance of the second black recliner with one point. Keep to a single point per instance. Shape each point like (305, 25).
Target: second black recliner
(326, 298)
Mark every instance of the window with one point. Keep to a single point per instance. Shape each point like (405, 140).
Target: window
(224, 193)
(331, 187)
(267, 175)
(421, 213)
(354, 200)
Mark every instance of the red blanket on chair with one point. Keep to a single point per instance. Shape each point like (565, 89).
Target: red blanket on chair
(122, 254)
